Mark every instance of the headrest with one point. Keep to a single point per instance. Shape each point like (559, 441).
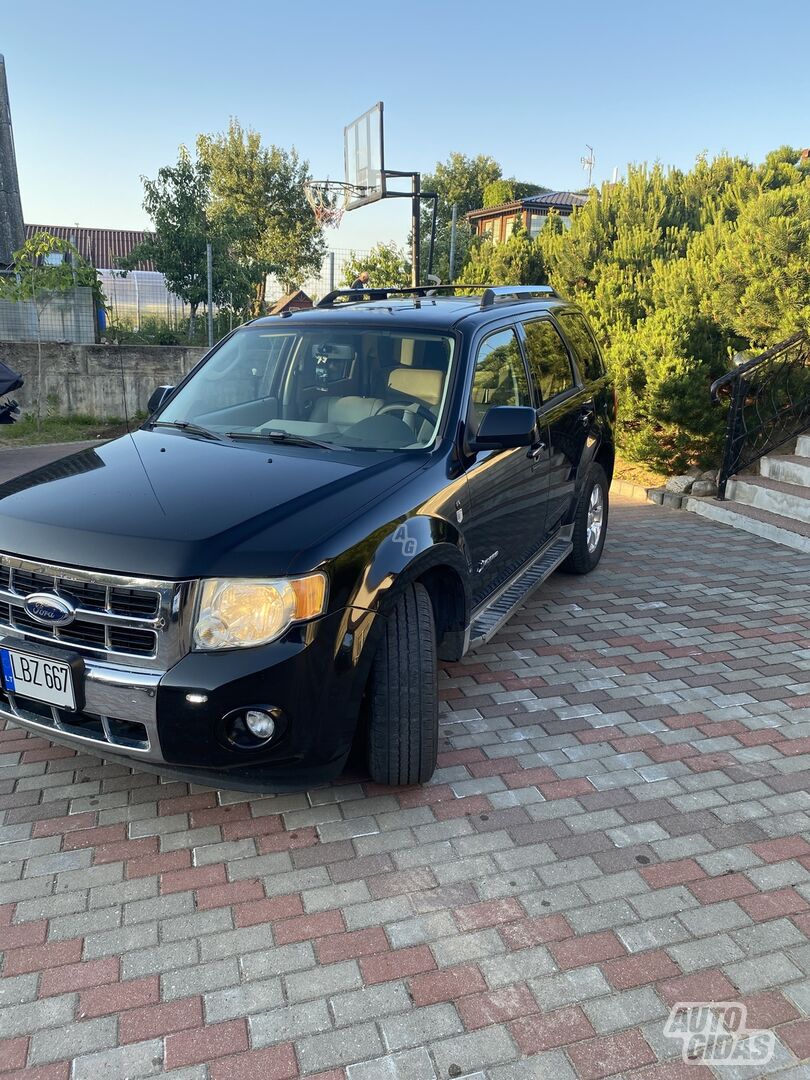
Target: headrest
(422, 383)
(434, 356)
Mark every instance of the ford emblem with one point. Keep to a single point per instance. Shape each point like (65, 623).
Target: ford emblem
(49, 609)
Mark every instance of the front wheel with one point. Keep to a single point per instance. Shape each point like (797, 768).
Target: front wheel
(590, 523)
(403, 694)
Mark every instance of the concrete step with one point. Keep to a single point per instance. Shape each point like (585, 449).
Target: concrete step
(803, 446)
(789, 468)
(783, 530)
(787, 500)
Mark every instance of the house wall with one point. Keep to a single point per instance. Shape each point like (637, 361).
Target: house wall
(91, 380)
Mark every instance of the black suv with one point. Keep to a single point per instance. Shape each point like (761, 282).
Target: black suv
(266, 572)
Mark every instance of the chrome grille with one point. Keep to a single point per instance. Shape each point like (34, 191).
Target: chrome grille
(117, 618)
(126, 734)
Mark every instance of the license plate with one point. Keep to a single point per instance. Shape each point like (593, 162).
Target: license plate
(38, 677)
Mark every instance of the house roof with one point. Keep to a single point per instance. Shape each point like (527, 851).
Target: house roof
(297, 300)
(561, 199)
(565, 201)
(104, 248)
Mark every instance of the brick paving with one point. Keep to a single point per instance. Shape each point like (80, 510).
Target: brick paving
(620, 821)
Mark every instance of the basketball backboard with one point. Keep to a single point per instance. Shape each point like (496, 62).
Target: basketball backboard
(364, 157)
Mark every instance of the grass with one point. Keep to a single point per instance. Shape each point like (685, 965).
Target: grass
(635, 473)
(60, 429)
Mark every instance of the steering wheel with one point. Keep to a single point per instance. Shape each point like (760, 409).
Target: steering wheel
(410, 409)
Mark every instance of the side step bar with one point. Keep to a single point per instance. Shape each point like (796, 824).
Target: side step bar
(488, 621)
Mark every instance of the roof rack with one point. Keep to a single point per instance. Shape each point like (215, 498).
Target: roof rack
(491, 293)
(383, 293)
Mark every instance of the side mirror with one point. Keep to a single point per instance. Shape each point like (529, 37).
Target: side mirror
(506, 426)
(157, 398)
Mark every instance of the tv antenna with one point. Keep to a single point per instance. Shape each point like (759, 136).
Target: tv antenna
(588, 161)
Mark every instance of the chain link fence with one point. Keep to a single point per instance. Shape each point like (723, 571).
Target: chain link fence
(330, 275)
(140, 306)
(50, 316)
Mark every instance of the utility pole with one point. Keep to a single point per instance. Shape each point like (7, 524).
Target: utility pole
(210, 267)
(453, 221)
(588, 162)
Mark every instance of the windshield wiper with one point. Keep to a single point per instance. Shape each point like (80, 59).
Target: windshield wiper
(192, 429)
(281, 437)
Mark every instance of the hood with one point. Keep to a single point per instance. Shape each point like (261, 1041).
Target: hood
(168, 505)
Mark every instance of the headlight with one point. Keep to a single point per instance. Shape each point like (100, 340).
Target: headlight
(235, 613)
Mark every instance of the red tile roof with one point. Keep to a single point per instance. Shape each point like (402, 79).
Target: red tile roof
(102, 247)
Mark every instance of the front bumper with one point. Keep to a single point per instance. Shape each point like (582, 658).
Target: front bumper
(315, 675)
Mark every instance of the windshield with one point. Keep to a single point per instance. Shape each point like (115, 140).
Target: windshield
(367, 389)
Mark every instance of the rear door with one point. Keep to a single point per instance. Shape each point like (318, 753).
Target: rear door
(566, 412)
(507, 488)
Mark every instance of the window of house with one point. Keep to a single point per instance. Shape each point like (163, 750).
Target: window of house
(584, 343)
(500, 375)
(508, 227)
(549, 362)
(536, 223)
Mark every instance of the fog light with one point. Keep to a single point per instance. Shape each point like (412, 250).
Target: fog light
(260, 724)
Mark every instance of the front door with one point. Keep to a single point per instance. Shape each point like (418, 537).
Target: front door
(566, 411)
(507, 488)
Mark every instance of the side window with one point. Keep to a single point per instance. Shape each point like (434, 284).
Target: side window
(548, 359)
(500, 375)
(584, 343)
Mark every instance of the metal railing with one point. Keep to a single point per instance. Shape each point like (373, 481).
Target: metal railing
(769, 404)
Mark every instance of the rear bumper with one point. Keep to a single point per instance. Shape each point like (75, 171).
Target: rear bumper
(314, 676)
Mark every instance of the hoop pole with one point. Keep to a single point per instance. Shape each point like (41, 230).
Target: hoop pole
(435, 197)
(415, 223)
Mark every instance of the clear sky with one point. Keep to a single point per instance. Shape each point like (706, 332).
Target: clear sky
(102, 93)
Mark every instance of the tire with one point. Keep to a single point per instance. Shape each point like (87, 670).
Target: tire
(403, 694)
(587, 553)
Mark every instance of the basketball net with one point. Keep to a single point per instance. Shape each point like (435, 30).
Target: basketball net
(329, 200)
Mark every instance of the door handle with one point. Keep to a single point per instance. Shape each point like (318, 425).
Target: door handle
(586, 417)
(536, 450)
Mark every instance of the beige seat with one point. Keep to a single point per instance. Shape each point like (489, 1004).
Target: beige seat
(419, 384)
(413, 387)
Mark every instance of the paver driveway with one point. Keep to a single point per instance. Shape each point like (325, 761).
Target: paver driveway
(617, 825)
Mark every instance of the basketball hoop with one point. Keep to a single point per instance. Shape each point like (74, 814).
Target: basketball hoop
(329, 200)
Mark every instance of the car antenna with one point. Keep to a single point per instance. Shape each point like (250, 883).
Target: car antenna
(123, 390)
(132, 437)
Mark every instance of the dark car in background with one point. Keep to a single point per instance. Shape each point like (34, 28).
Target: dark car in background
(271, 568)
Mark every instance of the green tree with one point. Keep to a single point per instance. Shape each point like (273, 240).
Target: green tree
(386, 264)
(517, 261)
(36, 275)
(761, 277)
(678, 270)
(257, 200)
(35, 271)
(459, 180)
(177, 204)
(505, 191)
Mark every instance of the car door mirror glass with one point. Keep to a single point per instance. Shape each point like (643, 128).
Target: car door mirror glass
(157, 398)
(506, 426)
